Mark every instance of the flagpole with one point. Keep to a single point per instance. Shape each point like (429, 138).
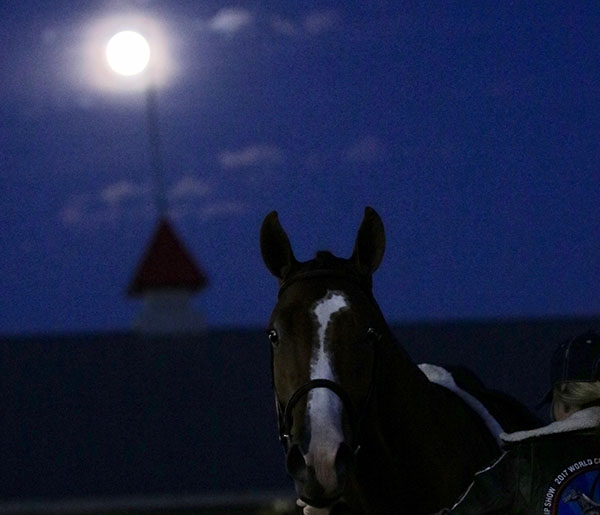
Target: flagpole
(156, 152)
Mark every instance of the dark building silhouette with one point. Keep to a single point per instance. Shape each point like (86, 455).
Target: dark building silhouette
(137, 420)
(172, 418)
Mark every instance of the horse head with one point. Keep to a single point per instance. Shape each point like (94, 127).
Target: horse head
(324, 333)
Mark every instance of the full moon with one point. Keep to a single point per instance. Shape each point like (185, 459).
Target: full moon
(128, 52)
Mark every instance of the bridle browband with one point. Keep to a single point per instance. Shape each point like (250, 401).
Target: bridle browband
(356, 417)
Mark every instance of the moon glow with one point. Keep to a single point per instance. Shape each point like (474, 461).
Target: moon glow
(128, 53)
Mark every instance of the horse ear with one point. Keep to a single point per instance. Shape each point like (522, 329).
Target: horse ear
(275, 246)
(370, 242)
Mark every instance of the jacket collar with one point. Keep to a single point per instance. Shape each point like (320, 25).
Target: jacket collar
(582, 419)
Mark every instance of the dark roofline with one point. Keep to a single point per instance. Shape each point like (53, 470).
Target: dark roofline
(593, 319)
(152, 504)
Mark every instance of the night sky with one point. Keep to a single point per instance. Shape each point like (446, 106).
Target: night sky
(472, 127)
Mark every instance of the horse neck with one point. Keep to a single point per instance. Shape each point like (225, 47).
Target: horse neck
(420, 433)
(406, 401)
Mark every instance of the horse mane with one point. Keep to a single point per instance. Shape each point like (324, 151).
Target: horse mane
(511, 414)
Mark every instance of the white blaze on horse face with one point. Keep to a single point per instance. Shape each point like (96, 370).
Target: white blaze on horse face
(324, 407)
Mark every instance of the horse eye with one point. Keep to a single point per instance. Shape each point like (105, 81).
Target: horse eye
(273, 337)
(372, 335)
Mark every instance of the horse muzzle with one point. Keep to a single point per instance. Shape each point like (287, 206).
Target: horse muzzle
(320, 483)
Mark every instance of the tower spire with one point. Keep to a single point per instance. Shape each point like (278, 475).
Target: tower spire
(156, 155)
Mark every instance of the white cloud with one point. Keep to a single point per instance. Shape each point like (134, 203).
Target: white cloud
(70, 214)
(366, 150)
(252, 155)
(208, 210)
(77, 206)
(188, 188)
(127, 200)
(123, 199)
(124, 191)
(284, 26)
(318, 22)
(312, 24)
(223, 208)
(230, 20)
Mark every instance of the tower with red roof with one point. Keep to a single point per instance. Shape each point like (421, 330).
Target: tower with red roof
(166, 279)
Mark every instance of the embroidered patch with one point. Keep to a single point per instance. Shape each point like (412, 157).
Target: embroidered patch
(575, 490)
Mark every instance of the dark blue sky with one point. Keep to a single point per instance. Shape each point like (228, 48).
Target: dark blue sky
(473, 128)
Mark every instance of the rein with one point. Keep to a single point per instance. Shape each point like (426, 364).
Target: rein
(356, 417)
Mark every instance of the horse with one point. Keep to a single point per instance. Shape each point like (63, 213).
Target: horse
(364, 430)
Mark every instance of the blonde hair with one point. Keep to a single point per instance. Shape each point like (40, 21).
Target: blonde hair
(577, 394)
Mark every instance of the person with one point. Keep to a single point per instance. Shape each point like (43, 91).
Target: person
(555, 469)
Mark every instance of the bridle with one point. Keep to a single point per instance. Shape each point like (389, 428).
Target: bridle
(355, 416)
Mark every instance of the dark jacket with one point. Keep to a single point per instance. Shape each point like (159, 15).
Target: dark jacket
(553, 470)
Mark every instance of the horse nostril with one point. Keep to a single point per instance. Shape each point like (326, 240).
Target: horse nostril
(295, 464)
(344, 462)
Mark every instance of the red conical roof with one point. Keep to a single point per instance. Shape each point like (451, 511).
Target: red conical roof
(166, 264)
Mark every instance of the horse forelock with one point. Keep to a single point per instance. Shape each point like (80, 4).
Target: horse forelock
(327, 266)
(327, 259)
